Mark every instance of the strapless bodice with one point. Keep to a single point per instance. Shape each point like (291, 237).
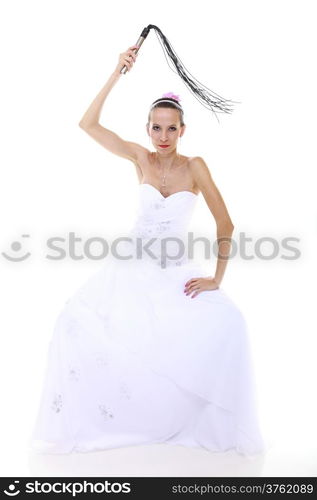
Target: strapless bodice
(158, 216)
(161, 222)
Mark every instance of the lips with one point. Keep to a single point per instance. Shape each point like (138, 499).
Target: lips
(164, 146)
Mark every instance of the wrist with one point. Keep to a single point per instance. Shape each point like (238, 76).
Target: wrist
(116, 73)
(115, 76)
(217, 280)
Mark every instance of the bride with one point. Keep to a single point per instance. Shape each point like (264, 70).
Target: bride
(132, 359)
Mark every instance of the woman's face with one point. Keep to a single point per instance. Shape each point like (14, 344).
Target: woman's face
(165, 129)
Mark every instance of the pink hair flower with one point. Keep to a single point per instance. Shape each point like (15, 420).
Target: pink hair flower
(172, 96)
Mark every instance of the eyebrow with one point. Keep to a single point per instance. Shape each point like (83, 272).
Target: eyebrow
(172, 125)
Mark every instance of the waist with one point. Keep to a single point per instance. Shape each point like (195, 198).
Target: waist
(165, 249)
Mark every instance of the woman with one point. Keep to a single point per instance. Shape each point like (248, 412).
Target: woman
(133, 360)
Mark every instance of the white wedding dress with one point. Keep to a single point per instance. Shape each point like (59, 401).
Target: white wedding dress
(133, 360)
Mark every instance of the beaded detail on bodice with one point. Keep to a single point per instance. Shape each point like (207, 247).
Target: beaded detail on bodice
(161, 217)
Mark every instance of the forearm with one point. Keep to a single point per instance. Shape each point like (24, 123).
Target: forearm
(92, 115)
(224, 234)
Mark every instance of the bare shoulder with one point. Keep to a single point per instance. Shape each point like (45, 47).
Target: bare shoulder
(140, 160)
(197, 163)
(200, 172)
(204, 181)
(140, 153)
(142, 157)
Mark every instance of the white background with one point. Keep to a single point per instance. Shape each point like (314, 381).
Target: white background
(55, 57)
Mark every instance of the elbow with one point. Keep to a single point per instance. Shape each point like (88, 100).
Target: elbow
(85, 125)
(82, 124)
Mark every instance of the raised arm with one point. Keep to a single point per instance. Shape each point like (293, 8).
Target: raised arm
(90, 120)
